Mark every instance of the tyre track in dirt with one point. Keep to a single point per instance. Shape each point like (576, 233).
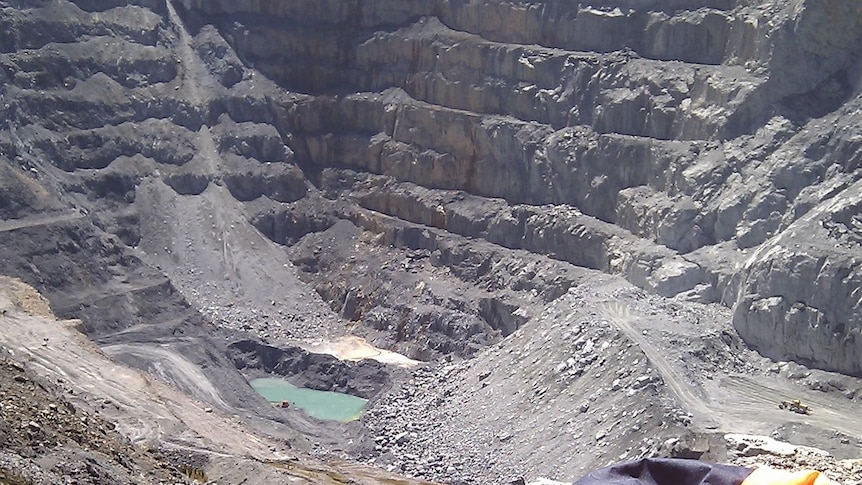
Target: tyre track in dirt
(171, 367)
(620, 315)
(747, 402)
(826, 412)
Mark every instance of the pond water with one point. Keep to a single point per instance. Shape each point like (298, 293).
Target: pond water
(334, 406)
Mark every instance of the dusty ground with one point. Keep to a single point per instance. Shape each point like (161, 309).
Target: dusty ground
(600, 374)
(444, 408)
(140, 408)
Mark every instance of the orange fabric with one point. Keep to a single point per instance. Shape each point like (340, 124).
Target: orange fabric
(771, 476)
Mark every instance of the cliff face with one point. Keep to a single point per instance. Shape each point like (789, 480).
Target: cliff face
(707, 148)
(703, 149)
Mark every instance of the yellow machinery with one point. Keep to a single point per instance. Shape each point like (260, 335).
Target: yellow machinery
(796, 406)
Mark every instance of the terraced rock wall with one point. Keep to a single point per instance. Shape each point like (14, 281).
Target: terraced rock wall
(437, 169)
(674, 144)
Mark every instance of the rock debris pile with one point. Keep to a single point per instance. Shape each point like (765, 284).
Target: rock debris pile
(39, 426)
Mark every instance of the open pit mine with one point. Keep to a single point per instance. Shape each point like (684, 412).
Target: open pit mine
(427, 241)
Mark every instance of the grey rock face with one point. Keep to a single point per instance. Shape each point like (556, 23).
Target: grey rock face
(703, 123)
(702, 149)
(800, 292)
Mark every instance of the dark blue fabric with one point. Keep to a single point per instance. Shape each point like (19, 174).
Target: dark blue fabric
(667, 471)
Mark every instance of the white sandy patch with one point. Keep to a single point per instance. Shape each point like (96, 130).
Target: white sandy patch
(355, 348)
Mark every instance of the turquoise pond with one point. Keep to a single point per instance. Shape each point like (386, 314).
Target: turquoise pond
(333, 406)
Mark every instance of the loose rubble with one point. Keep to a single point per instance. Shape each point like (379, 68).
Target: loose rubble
(38, 425)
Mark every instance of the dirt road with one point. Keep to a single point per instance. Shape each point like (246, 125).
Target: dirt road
(171, 367)
(759, 397)
(737, 401)
(39, 220)
(619, 314)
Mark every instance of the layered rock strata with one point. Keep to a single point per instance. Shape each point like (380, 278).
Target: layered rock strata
(683, 146)
(702, 149)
